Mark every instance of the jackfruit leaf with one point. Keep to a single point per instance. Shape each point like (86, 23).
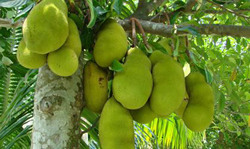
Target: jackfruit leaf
(6, 61)
(116, 66)
(157, 46)
(222, 101)
(87, 56)
(228, 44)
(174, 17)
(249, 122)
(1, 49)
(93, 14)
(5, 32)
(209, 77)
(117, 6)
(87, 38)
(100, 11)
(78, 21)
(190, 30)
(178, 4)
(245, 5)
(233, 75)
(12, 3)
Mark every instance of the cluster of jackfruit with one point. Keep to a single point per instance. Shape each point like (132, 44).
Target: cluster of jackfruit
(49, 36)
(147, 88)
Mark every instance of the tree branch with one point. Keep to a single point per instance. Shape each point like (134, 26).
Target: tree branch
(188, 8)
(229, 10)
(10, 24)
(205, 29)
(145, 8)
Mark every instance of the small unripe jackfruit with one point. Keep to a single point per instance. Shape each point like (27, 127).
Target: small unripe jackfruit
(111, 44)
(63, 62)
(198, 114)
(116, 129)
(95, 86)
(46, 27)
(73, 41)
(132, 87)
(143, 115)
(169, 85)
(29, 59)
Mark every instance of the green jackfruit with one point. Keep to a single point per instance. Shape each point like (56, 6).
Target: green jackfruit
(182, 108)
(194, 78)
(63, 62)
(198, 114)
(73, 41)
(166, 43)
(116, 129)
(197, 118)
(95, 87)
(132, 87)
(29, 59)
(46, 27)
(143, 115)
(157, 56)
(111, 44)
(169, 86)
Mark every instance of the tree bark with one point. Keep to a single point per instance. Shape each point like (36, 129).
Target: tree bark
(205, 29)
(57, 108)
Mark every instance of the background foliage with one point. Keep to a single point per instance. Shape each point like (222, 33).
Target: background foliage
(225, 61)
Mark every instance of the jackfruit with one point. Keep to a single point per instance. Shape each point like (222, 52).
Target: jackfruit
(29, 59)
(157, 56)
(143, 115)
(182, 108)
(166, 43)
(95, 86)
(116, 129)
(63, 62)
(111, 44)
(193, 78)
(132, 87)
(197, 118)
(73, 41)
(198, 114)
(46, 27)
(169, 85)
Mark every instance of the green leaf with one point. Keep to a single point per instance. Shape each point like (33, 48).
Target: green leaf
(93, 14)
(157, 46)
(174, 17)
(228, 44)
(189, 29)
(87, 56)
(222, 102)
(87, 38)
(12, 3)
(6, 61)
(116, 66)
(117, 6)
(1, 49)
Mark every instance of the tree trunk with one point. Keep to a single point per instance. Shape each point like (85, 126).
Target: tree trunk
(57, 108)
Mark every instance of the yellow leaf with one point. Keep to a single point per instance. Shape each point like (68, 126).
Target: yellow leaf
(249, 121)
(233, 75)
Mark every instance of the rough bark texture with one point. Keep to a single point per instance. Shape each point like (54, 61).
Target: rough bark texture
(57, 108)
(205, 29)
